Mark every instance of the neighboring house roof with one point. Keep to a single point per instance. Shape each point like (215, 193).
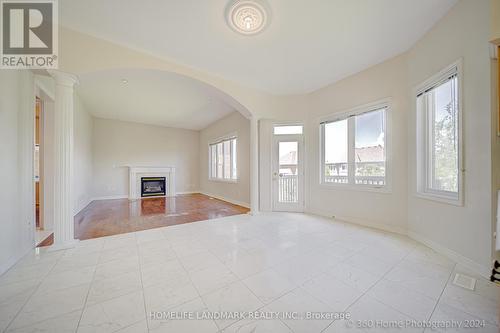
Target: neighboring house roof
(364, 154)
(289, 158)
(370, 154)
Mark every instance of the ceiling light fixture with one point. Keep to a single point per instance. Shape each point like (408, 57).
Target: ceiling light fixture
(124, 81)
(248, 17)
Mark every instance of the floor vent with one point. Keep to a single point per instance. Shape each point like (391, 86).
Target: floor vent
(464, 281)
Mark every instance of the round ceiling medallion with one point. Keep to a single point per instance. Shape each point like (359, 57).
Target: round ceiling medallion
(247, 17)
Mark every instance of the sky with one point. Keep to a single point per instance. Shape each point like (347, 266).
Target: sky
(369, 132)
(442, 98)
(370, 128)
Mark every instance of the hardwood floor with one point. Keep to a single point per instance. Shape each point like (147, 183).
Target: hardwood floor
(111, 217)
(47, 241)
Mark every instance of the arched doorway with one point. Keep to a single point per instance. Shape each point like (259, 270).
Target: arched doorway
(142, 85)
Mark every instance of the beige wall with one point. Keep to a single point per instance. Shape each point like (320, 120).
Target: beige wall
(16, 166)
(265, 165)
(117, 144)
(82, 156)
(238, 192)
(382, 210)
(495, 21)
(495, 152)
(465, 231)
(495, 106)
(76, 56)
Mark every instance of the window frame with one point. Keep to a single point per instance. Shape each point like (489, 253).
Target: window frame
(291, 124)
(233, 157)
(423, 140)
(351, 133)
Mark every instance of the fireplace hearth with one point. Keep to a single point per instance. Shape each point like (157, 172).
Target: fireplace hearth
(153, 186)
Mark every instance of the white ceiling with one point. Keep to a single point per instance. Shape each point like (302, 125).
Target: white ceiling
(309, 43)
(151, 97)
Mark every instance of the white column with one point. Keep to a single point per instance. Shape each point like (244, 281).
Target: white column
(64, 235)
(254, 165)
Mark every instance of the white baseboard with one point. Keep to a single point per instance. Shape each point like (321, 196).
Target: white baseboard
(97, 199)
(484, 271)
(236, 202)
(188, 192)
(114, 197)
(110, 197)
(362, 222)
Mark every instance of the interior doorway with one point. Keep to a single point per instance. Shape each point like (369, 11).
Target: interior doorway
(38, 164)
(43, 228)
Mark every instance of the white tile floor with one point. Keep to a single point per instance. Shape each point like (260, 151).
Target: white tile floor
(286, 263)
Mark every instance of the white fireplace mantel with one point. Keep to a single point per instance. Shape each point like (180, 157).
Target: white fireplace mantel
(137, 172)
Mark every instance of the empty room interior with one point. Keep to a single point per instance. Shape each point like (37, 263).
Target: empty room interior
(249, 166)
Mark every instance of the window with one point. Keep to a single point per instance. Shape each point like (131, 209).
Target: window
(336, 156)
(438, 137)
(287, 129)
(222, 160)
(353, 149)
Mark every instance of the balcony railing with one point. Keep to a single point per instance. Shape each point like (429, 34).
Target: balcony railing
(288, 190)
(370, 180)
(337, 179)
(336, 173)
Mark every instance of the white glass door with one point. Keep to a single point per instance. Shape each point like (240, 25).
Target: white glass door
(288, 173)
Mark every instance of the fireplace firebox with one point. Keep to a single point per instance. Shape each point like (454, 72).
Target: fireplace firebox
(153, 186)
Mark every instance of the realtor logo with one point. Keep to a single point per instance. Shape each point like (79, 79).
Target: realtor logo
(29, 34)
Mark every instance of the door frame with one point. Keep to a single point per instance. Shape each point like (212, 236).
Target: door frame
(300, 206)
(44, 92)
(39, 103)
